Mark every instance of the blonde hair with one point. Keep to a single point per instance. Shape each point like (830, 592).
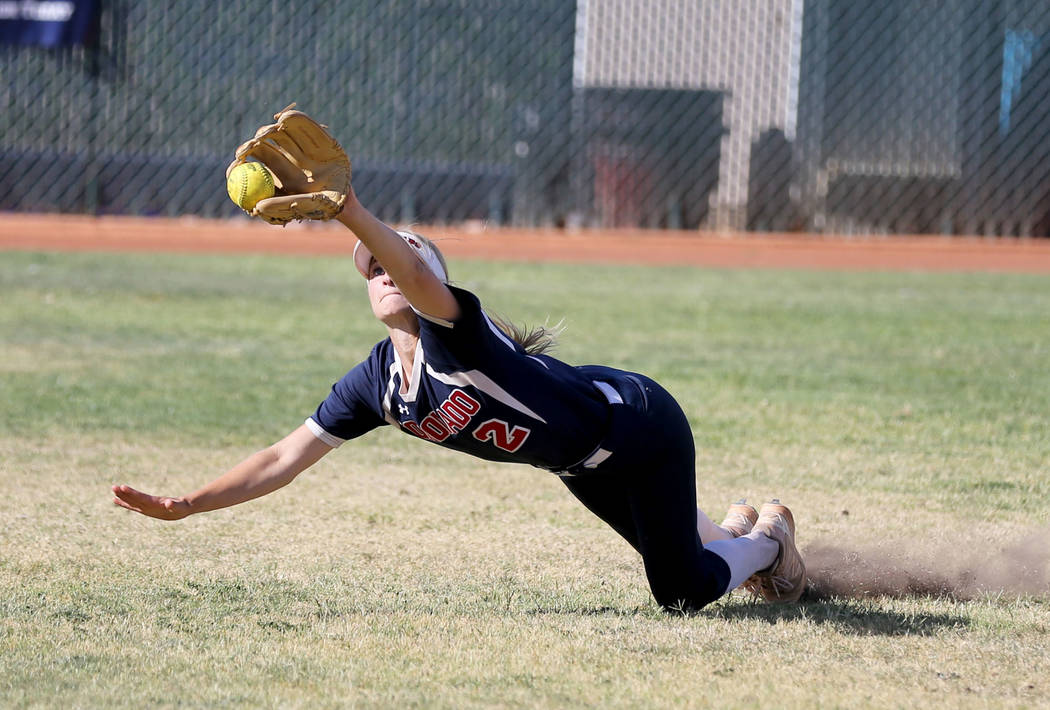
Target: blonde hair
(535, 340)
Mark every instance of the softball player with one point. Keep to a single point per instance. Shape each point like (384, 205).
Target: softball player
(449, 375)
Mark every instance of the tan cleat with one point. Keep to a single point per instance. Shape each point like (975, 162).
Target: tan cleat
(740, 518)
(785, 580)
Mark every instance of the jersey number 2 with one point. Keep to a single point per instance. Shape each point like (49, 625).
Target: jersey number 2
(502, 435)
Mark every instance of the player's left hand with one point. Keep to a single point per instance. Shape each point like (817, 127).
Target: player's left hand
(311, 170)
(159, 507)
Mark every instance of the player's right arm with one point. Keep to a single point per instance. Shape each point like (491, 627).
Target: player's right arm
(414, 279)
(261, 473)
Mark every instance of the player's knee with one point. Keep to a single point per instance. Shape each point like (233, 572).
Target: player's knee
(678, 598)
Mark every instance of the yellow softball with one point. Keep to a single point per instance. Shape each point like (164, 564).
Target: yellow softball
(248, 183)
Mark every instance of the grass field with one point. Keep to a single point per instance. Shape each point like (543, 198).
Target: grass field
(905, 417)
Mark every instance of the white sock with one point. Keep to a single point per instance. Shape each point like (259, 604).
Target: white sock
(745, 555)
(709, 531)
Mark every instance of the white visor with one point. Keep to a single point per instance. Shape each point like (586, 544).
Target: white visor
(422, 249)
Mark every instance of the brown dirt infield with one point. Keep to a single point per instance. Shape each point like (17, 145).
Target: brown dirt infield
(741, 250)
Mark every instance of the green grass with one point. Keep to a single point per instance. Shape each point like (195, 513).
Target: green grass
(904, 416)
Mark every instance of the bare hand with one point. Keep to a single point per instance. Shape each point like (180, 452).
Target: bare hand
(153, 506)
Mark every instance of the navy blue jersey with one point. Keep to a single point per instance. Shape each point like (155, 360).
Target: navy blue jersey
(619, 441)
(472, 389)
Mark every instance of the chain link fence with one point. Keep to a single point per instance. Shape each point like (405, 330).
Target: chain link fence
(892, 116)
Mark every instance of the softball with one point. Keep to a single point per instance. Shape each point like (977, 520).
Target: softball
(248, 183)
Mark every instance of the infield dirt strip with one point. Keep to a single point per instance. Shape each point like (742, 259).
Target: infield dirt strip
(921, 253)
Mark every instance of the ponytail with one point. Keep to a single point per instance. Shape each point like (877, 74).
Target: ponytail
(536, 340)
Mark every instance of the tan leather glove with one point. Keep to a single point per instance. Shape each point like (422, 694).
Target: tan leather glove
(311, 170)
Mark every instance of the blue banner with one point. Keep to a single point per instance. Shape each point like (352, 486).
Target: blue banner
(46, 23)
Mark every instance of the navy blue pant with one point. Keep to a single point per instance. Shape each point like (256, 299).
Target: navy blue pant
(646, 491)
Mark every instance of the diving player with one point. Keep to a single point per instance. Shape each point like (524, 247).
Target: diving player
(448, 374)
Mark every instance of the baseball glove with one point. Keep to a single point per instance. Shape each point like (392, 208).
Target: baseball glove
(311, 170)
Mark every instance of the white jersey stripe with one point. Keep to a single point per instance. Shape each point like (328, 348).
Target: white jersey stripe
(610, 394)
(318, 431)
(478, 379)
(499, 333)
(412, 392)
(388, 397)
(395, 367)
(434, 319)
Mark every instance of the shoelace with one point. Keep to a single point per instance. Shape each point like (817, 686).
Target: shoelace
(780, 583)
(737, 523)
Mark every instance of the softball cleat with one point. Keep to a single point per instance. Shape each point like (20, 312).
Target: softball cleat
(785, 580)
(740, 518)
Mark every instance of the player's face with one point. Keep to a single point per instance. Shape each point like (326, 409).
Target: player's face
(387, 301)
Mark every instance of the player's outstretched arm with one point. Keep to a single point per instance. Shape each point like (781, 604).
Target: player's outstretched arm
(261, 473)
(417, 283)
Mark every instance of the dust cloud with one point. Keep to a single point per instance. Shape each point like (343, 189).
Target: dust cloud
(965, 570)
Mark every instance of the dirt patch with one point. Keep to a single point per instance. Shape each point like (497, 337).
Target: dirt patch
(918, 568)
(922, 253)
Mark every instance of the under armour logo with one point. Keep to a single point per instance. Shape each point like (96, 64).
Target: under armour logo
(402, 409)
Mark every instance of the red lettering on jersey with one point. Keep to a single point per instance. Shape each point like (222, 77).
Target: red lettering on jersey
(467, 404)
(501, 435)
(435, 428)
(446, 421)
(454, 417)
(414, 428)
